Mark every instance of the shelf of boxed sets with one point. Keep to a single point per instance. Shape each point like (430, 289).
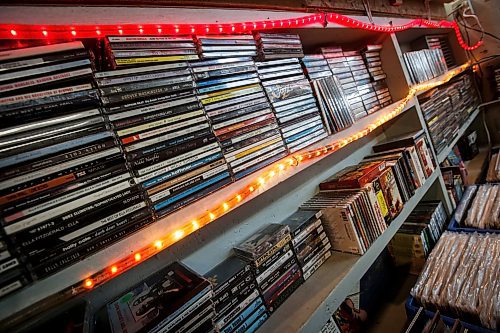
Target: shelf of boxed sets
(75, 273)
(312, 304)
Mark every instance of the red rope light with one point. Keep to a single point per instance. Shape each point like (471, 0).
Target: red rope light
(62, 32)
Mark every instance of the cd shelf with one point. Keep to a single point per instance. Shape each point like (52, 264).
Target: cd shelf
(312, 304)
(309, 308)
(73, 274)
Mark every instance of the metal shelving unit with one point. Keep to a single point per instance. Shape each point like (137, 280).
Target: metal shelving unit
(311, 305)
(309, 308)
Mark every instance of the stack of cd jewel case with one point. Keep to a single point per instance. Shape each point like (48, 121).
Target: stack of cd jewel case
(278, 46)
(350, 219)
(132, 51)
(175, 299)
(309, 240)
(294, 104)
(65, 189)
(226, 46)
(274, 264)
(425, 64)
(164, 132)
(333, 104)
(371, 55)
(242, 119)
(316, 66)
(362, 79)
(237, 302)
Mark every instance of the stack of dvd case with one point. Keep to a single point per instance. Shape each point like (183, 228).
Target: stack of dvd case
(132, 51)
(309, 240)
(241, 116)
(447, 108)
(425, 64)
(414, 160)
(231, 93)
(65, 189)
(239, 307)
(352, 217)
(335, 110)
(293, 102)
(274, 263)
(175, 299)
(230, 46)
(418, 234)
(278, 46)
(164, 133)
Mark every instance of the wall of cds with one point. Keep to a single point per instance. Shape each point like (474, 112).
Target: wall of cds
(88, 157)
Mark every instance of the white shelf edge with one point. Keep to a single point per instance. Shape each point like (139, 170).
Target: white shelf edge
(312, 304)
(47, 287)
(472, 116)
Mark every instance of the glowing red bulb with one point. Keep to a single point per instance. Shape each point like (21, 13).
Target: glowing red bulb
(98, 32)
(159, 30)
(141, 30)
(176, 30)
(45, 33)
(13, 32)
(120, 31)
(73, 32)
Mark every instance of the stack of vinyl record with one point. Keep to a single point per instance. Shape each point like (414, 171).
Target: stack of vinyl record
(230, 91)
(238, 304)
(175, 299)
(418, 234)
(278, 46)
(341, 69)
(493, 174)
(275, 266)
(447, 108)
(164, 132)
(309, 240)
(294, 104)
(65, 188)
(130, 51)
(480, 207)
(461, 277)
(425, 64)
(230, 46)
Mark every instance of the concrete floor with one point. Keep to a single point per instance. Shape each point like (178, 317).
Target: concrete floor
(391, 316)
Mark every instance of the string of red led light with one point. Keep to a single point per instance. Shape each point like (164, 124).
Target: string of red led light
(235, 200)
(63, 32)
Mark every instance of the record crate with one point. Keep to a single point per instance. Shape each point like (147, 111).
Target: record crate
(411, 307)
